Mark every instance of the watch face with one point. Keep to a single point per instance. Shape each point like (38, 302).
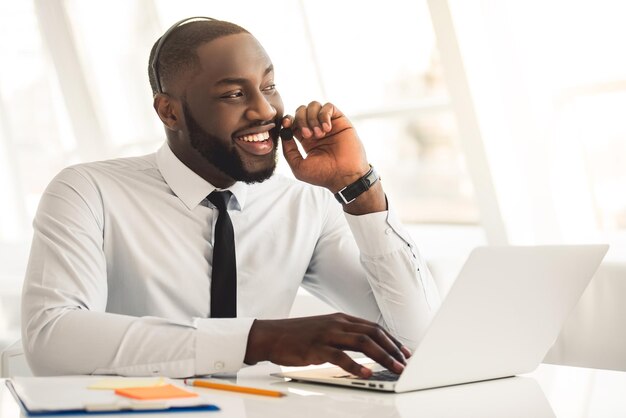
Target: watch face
(371, 177)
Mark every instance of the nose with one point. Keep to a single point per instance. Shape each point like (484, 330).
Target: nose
(260, 108)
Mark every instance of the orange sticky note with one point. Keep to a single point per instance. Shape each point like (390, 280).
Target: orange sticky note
(155, 392)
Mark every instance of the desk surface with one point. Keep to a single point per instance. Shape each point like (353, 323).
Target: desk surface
(550, 391)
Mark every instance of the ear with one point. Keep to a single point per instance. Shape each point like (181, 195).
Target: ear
(169, 111)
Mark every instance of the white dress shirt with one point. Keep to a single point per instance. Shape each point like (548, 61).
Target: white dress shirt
(118, 280)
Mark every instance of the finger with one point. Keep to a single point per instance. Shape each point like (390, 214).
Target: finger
(366, 345)
(383, 339)
(406, 351)
(341, 359)
(353, 319)
(292, 155)
(325, 116)
(287, 121)
(312, 118)
(301, 123)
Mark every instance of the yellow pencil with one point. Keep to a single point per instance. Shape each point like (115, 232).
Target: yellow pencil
(233, 388)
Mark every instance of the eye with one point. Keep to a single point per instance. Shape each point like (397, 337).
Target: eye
(270, 88)
(232, 95)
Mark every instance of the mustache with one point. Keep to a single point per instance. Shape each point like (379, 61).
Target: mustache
(274, 131)
(257, 124)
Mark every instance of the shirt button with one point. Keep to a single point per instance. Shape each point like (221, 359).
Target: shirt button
(219, 365)
(388, 231)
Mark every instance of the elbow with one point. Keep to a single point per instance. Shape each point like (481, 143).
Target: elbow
(44, 349)
(37, 357)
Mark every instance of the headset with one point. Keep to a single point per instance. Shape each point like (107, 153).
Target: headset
(154, 65)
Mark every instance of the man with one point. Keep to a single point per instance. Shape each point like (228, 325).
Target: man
(128, 273)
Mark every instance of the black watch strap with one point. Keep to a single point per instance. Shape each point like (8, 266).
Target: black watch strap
(354, 190)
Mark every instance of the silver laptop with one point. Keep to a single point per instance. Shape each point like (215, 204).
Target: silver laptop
(500, 318)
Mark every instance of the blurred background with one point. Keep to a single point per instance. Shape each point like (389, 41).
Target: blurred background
(490, 121)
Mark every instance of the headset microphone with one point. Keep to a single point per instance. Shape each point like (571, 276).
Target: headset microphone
(286, 134)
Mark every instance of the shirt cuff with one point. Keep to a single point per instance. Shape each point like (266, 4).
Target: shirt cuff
(221, 344)
(378, 233)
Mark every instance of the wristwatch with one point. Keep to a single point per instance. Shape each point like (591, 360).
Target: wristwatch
(354, 190)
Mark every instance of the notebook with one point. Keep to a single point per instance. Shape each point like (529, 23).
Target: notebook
(70, 395)
(499, 319)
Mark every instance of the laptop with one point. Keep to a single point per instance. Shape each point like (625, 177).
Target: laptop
(501, 316)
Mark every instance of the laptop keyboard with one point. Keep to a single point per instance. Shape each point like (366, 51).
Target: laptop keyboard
(384, 375)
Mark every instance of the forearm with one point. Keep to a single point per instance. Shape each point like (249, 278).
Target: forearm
(402, 285)
(77, 341)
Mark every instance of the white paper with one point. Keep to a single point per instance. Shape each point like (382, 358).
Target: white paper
(71, 393)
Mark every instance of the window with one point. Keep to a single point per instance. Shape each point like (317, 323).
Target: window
(33, 127)
(592, 134)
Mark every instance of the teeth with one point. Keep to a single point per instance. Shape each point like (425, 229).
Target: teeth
(255, 137)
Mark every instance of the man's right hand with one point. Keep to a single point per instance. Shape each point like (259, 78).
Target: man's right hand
(321, 339)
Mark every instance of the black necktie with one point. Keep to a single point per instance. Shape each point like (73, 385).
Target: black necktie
(224, 277)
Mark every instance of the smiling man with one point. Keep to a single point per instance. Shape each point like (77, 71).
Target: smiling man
(187, 261)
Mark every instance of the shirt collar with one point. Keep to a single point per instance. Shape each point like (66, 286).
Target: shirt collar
(190, 188)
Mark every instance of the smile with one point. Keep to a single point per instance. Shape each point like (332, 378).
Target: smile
(258, 144)
(260, 137)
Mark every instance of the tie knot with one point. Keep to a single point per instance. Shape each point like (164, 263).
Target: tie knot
(219, 199)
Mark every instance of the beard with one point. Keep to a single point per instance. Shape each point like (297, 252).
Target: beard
(224, 156)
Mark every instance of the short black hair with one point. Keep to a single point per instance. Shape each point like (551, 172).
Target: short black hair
(179, 52)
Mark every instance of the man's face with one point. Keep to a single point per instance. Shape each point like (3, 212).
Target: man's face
(232, 109)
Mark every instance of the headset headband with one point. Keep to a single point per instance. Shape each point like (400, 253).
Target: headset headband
(155, 59)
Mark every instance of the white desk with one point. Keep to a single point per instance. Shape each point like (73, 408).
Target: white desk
(551, 391)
